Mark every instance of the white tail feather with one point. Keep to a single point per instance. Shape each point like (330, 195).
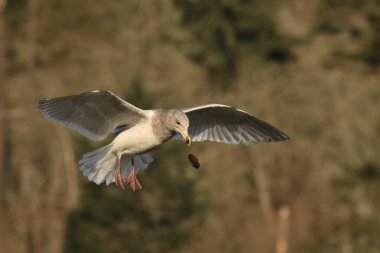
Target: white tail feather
(100, 165)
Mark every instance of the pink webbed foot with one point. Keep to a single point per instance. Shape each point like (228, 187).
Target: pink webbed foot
(132, 181)
(119, 180)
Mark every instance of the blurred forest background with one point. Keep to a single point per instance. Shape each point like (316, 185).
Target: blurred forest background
(310, 68)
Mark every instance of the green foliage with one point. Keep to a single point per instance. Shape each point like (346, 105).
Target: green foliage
(358, 192)
(335, 18)
(224, 32)
(138, 95)
(333, 15)
(370, 52)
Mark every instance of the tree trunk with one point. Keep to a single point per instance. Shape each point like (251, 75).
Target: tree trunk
(283, 230)
(2, 106)
(31, 170)
(263, 191)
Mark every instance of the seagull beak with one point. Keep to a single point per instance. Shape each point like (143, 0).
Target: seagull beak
(186, 137)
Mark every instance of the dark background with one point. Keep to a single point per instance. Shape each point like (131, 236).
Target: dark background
(310, 68)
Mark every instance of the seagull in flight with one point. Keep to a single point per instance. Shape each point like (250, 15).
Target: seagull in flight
(97, 114)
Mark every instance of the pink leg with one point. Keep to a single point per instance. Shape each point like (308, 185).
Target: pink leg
(132, 179)
(119, 180)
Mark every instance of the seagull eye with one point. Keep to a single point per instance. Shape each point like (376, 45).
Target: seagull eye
(179, 123)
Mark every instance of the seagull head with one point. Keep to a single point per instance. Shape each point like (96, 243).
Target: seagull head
(179, 123)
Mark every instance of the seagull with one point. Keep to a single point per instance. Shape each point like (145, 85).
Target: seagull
(97, 114)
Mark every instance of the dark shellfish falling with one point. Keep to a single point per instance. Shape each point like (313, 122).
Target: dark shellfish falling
(194, 161)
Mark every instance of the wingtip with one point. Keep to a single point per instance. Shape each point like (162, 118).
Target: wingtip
(277, 138)
(284, 137)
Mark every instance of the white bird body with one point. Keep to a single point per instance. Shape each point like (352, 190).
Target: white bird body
(137, 139)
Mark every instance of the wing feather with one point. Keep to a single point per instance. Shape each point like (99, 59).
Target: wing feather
(93, 114)
(222, 137)
(222, 123)
(215, 134)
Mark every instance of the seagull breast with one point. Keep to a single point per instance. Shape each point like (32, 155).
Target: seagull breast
(144, 136)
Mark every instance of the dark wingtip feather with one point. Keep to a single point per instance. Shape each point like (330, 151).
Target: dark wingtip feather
(282, 137)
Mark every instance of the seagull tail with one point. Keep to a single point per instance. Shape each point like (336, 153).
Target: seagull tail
(100, 165)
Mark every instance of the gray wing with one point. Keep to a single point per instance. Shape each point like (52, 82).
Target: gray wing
(222, 123)
(93, 114)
